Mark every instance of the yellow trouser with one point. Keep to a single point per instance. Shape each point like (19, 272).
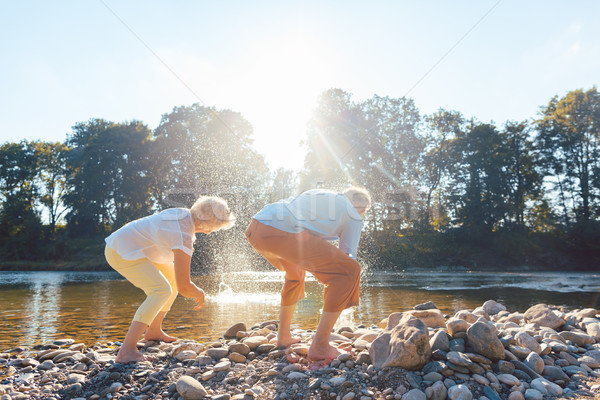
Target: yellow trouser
(156, 280)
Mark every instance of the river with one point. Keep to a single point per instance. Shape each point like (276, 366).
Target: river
(38, 307)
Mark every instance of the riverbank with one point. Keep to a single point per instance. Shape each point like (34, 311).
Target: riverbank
(420, 354)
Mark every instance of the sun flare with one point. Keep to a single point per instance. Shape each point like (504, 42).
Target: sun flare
(284, 81)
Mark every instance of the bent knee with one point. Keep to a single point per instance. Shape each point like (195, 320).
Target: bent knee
(354, 269)
(160, 291)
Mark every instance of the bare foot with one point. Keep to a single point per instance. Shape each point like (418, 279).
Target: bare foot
(318, 352)
(287, 340)
(159, 336)
(127, 356)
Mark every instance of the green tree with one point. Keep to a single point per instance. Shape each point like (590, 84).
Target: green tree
(524, 181)
(111, 174)
(52, 180)
(203, 151)
(569, 142)
(20, 223)
(284, 184)
(480, 178)
(443, 127)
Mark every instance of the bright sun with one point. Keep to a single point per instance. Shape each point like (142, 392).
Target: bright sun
(282, 84)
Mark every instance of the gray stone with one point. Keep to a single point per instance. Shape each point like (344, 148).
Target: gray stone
(543, 315)
(189, 388)
(493, 308)
(457, 325)
(555, 373)
(531, 373)
(491, 393)
(519, 352)
(254, 341)
(535, 362)
(222, 366)
(579, 338)
(546, 387)
(186, 355)
(459, 392)
(433, 377)
(425, 306)
(231, 333)
(533, 394)
(509, 379)
(405, 346)
(294, 375)
(363, 358)
(484, 341)
(438, 391)
(515, 395)
(457, 345)
(414, 394)
(440, 340)
(458, 358)
(524, 340)
(216, 353)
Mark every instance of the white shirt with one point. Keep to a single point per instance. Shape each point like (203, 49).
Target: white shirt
(155, 237)
(324, 213)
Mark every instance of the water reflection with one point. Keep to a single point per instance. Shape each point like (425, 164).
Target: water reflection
(41, 306)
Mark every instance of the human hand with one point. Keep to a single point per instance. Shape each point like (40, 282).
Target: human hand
(199, 299)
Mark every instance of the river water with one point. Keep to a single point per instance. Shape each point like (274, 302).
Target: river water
(38, 307)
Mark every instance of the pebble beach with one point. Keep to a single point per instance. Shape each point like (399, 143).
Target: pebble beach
(544, 352)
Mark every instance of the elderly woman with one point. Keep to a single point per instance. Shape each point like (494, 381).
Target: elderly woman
(154, 254)
(293, 236)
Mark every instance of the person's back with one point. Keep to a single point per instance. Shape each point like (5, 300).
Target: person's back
(324, 213)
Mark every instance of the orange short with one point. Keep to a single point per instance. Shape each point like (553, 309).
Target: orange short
(296, 253)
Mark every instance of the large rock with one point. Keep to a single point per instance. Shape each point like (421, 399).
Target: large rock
(493, 308)
(425, 306)
(241, 348)
(455, 325)
(255, 341)
(432, 318)
(524, 340)
(405, 346)
(535, 362)
(544, 386)
(232, 331)
(579, 338)
(543, 315)
(467, 316)
(441, 341)
(593, 330)
(189, 388)
(482, 337)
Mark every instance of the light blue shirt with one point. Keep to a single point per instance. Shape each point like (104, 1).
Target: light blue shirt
(324, 213)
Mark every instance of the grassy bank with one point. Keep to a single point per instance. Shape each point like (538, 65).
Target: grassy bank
(493, 250)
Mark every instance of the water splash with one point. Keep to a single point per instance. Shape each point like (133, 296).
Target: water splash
(226, 295)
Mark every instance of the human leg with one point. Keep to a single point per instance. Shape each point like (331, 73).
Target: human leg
(146, 276)
(339, 273)
(128, 351)
(155, 331)
(320, 349)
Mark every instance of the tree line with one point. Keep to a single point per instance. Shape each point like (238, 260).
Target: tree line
(447, 188)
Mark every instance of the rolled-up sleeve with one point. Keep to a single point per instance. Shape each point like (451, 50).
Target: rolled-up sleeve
(183, 239)
(350, 236)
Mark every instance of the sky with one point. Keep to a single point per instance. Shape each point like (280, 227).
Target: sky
(64, 62)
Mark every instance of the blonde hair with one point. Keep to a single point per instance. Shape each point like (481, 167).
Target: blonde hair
(359, 197)
(212, 212)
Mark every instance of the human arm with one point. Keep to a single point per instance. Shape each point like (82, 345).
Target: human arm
(350, 236)
(182, 277)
